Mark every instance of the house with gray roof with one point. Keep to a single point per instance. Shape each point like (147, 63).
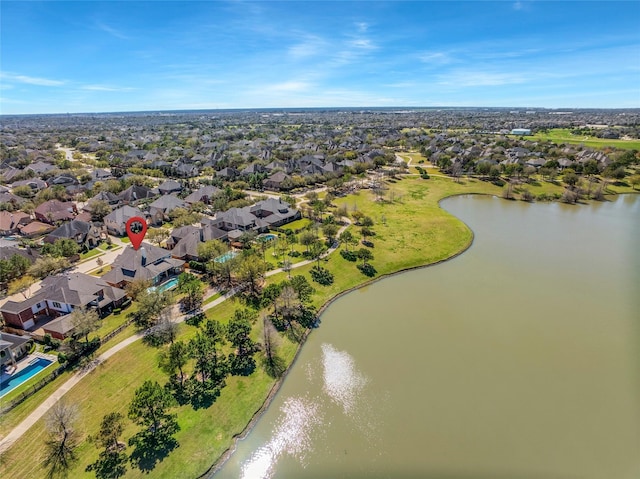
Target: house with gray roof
(204, 194)
(184, 241)
(13, 348)
(86, 234)
(159, 210)
(59, 295)
(170, 186)
(148, 263)
(116, 221)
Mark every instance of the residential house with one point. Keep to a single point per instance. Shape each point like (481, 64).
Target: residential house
(259, 217)
(159, 210)
(11, 221)
(184, 241)
(13, 348)
(86, 234)
(35, 228)
(148, 263)
(204, 194)
(59, 295)
(116, 221)
(278, 181)
(7, 252)
(136, 193)
(54, 211)
(36, 184)
(169, 187)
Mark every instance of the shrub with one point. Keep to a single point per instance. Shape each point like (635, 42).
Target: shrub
(527, 195)
(294, 254)
(322, 275)
(117, 310)
(349, 255)
(367, 269)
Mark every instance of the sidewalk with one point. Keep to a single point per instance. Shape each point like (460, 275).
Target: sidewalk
(17, 432)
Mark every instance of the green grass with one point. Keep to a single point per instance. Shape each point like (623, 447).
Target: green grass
(90, 254)
(298, 224)
(410, 231)
(210, 299)
(563, 135)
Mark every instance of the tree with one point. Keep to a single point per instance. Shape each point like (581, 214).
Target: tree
(307, 238)
(63, 439)
(137, 287)
(330, 231)
(149, 408)
(211, 249)
(46, 265)
(150, 307)
(286, 267)
(251, 273)
(303, 288)
(157, 235)
(193, 289)
(210, 363)
(84, 321)
(238, 334)
(21, 285)
(173, 360)
(570, 177)
(316, 249)
(223, 271)
(365, 255)
(111, 429)
(273, 364)
(99, 209)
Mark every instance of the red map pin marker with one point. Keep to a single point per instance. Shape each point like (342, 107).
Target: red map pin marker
(136, 229)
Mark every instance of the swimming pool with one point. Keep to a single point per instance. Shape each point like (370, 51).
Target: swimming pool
(226, 257)
(172, 283)
(9, 383)
(268, 237)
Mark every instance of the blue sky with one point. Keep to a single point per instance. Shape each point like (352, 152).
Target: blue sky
(87, 56)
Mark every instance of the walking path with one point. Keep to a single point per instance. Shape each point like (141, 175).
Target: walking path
(17, 432)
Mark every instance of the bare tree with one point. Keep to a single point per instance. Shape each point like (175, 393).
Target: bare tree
(274, 365)
(60, 446)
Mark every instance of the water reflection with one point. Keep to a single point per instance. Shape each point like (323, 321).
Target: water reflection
(516, 359)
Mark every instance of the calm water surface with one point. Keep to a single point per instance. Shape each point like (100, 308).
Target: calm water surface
(518, 359)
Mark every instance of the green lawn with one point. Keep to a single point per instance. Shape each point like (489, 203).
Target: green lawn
(410, 231)
(90, 254)
(563, 135)
(298, 224)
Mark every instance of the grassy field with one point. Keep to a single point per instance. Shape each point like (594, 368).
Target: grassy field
(562, 135)
(412, 230)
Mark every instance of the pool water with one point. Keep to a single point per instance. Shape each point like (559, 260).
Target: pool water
(9, 383)
(172, 283)
(268, 237)
(226, 257)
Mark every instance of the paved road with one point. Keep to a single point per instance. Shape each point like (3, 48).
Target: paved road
(17, 432)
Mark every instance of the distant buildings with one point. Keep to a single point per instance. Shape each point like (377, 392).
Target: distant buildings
(521, 131)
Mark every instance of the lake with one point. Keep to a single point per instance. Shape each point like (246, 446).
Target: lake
(517, 359)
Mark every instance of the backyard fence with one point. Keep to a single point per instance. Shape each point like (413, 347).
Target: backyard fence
(34, 388)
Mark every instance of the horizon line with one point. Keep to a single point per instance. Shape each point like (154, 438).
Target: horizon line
(320, 108)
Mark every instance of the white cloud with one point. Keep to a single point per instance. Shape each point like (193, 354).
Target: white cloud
(112, 31)
(105, 88)
(31, 80)
(437, 58)
(289, 86)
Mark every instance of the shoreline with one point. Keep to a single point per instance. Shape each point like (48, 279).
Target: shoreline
(224, 457)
